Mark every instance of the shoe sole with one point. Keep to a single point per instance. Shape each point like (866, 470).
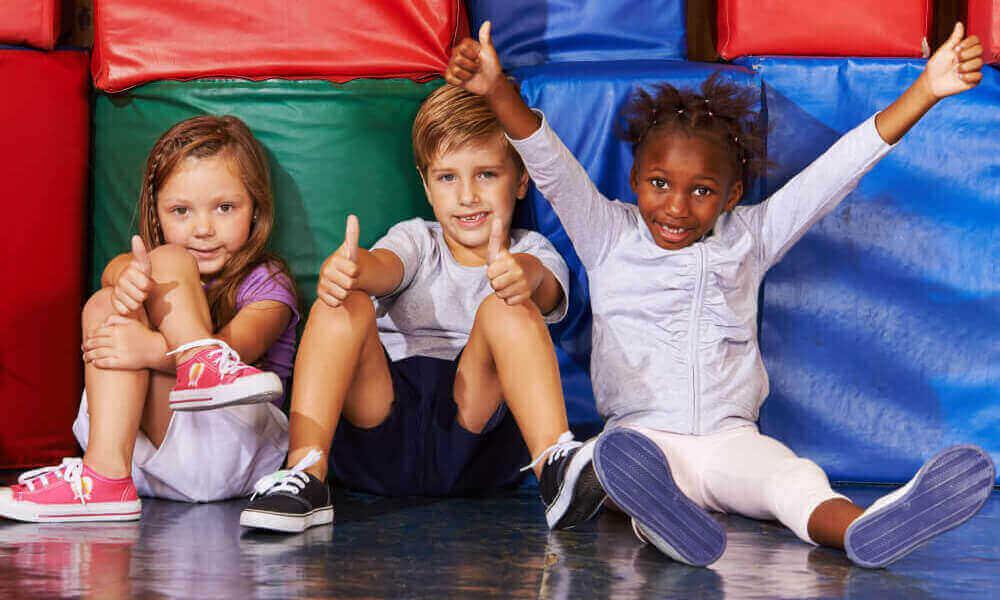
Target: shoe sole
(636, 475)
(947, 491)
(252, 389)
(581, 494)
(70, 513)
(282, 522)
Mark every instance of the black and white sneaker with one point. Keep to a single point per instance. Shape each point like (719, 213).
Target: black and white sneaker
(570, 489)
(289, 500)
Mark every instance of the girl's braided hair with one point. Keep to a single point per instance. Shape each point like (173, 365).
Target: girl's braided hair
(721, 113)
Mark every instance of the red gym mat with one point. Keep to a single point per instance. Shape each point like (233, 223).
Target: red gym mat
(36, 23)
(984, 21)
(137, 41)
(827, 28)
(44, 152)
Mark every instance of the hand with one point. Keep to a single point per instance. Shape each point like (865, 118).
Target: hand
(121, 343)
(956, 65)
(474, 65)
(341, 272)
(135, 282)
(507, 276)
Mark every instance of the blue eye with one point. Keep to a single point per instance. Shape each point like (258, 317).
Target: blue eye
(446, 177)
(487, 175)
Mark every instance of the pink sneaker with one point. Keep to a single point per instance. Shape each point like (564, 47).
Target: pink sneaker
(216, 377)
(69, 492)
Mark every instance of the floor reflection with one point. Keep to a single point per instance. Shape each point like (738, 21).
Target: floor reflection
(431, 548)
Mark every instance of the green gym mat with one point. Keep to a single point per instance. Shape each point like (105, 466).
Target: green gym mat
(334, 149)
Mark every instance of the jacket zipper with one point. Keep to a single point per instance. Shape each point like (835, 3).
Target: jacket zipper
(693, 340)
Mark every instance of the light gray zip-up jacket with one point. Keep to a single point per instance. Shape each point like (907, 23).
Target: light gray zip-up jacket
(675, 331)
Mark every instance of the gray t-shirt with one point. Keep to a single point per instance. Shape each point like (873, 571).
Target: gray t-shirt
(432, 311)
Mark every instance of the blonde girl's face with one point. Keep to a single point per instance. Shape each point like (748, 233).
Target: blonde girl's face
(204, 207)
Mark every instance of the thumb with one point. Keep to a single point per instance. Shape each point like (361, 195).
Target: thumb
(484, 34)
(496, 241)
(351, 238)
(140, 255)
(956, 35)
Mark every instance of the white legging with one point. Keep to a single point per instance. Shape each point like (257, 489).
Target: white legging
(742, 472)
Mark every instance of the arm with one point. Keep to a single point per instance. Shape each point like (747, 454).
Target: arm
(377, 272)
(816, 191)
(953, 69)
(547, 294)
(114, 270)
(255, 328)
(560, 178)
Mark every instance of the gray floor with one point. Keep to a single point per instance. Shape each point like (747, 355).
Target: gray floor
(490, 547)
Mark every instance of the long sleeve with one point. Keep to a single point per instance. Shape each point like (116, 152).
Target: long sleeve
(590, 220)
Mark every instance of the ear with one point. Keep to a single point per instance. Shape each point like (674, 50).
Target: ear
(633, 178)
(735, 194)
(522, 185)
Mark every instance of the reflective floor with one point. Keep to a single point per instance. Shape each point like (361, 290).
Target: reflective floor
(490, 547)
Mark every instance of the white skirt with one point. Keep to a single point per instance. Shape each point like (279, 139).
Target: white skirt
(206, 455)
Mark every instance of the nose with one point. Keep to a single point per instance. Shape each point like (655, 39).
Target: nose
(203, 226)
(468, 195)
(676, 204)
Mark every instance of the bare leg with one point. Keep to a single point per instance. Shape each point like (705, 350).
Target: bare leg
(156, 413)
(829, 522)
(340, 368)
(510, 357)
(177, 306)
(115, 399)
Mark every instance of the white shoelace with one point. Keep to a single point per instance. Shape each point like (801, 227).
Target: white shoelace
(561, 448)
(287, 480)
(71, 469)
(229, 359)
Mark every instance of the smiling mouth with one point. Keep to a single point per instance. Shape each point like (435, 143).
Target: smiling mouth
(473, 220)
(673, 234)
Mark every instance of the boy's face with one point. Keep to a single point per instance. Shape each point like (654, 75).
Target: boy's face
(468, 188)
(683, 182)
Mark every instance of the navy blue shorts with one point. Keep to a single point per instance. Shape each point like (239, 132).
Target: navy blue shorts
(420, 449)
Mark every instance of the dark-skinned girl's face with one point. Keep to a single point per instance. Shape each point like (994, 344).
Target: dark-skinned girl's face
(684, 182)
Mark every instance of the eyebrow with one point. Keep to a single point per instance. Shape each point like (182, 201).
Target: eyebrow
(657, 170)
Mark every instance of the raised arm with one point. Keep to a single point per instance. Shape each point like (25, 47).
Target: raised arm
(376, 272)
(588, 218)
(817, 190)
(953, 69)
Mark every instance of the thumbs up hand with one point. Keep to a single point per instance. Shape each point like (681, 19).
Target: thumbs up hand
(135, 282)
(506, 274)
(956, 66)
(474, 65)
(341, 271)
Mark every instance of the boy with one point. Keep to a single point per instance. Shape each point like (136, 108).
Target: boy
(435, 377)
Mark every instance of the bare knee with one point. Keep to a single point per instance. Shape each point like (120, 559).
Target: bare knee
(501, 321)
(97, 309)
(172, 259)
(355, 315)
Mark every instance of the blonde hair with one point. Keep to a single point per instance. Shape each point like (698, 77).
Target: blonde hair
(450, 118)
(202, 137)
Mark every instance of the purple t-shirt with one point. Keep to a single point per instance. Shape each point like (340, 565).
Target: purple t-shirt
(264, 283)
